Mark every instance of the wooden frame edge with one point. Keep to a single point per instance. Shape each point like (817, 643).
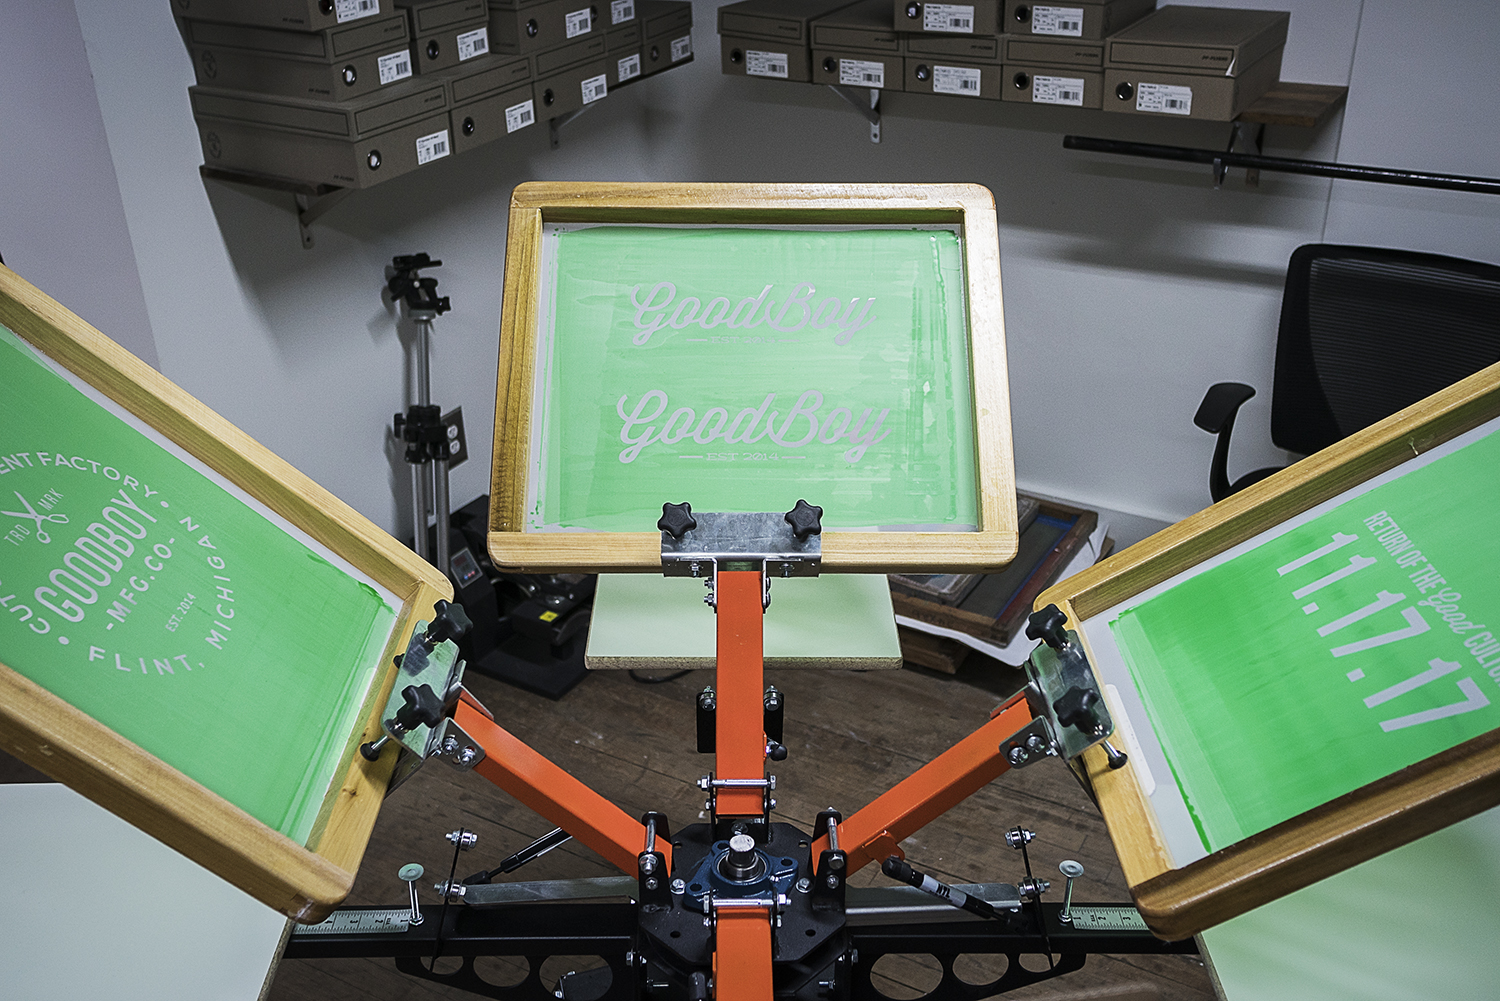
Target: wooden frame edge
(534, 202)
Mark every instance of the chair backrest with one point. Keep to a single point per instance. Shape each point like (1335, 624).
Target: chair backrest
(1366, 332)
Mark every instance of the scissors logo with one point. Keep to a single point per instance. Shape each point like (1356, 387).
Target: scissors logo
(30, 512)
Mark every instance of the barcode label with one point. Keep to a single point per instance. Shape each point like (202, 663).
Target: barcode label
(518, 116)
(353, 10)
(948, 17)
(1057, 21)
(955, 80)
(473, 43)
(1164, 98)
(630, 67)
(580, 22)
(621, 11)
(859, 73)
(396, 66)
(594, 88)
(1057, 90)
(682, 48)
(765, 64)
(433, 147)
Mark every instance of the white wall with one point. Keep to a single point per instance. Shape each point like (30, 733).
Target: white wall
(1130, 285)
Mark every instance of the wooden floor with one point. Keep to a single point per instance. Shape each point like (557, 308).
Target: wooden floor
(850, 735)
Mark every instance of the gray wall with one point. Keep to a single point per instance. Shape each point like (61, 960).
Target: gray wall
(1129, 285)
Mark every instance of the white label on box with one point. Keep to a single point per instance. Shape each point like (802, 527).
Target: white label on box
(1164, 98)
(353, 10)
(859, 73)
(594, 88)
(518, 116)
(621, 11)
(1057, 90)
(955, 80)
(765, 64)
(433, 147)
(580, 22)
(396, 66)
(629, 67)
(948, 17)
(682, 48)
(473, 43)
(1057, 21)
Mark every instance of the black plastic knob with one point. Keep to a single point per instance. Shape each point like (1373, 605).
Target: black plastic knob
(922, 72)
(1023, 13)
(373, 159)
(913, 10)
(433, 49)
(468, 129)
(775, 751)
(735, 56)
(1048, 625)
(677, 519)
(806, 519)
(531, 28)
(548, 98)
(450, 623)
(350, 76)
(1076, 708)
(1125, 91)
(423, 707)
(830, 65)
(1022, 81)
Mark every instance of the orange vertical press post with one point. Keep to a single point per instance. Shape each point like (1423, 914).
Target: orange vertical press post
(739, 719)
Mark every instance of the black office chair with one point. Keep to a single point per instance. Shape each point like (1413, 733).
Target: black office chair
(1365, 332)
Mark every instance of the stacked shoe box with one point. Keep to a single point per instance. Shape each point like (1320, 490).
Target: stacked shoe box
(345, 94)
(858, 47)
(666, 34)
(951, 48)
(1194, 62)
(771, 38)
(565, 40)
(1055, 54)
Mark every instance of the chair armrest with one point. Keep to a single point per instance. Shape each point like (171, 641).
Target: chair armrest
(1220, 404)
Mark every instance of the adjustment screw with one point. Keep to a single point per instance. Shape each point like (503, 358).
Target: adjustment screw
(1072, 870)
(804, 884)
(648, 864)
(678, 886)
(410, 873)
(832, 881)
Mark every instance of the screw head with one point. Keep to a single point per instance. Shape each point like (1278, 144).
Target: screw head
(410, 873)
(1070, 868)
(678, 886)
(832, 881)
(648, 864)
(804, 884)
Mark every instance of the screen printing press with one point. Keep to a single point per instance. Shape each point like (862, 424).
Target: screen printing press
(899, 461)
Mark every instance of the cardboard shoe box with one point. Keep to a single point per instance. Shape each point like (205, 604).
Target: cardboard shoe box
(977, 17)
(764, 57)
(446, 33)
(1067, 86)
(666, 50)
(964, 48)
(490, 101)
(952, 78)
(357, 143)
(858, 69)
(786, 21)
(864, 27)
(1033, 50)
(553, 61)
(568, 91)
(1091, 19)
(1190, 95)
(299, 15)
(331, 64)
(535, 28)
(1201, 40)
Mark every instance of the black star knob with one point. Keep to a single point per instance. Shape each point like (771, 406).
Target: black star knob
(677, 519)
(1076, 708)
(806, 519)
(1049, 625)
(422, 707)
(450, 623)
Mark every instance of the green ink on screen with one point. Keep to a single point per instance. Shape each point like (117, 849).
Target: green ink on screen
(1338, 653)
(148, 597)
(741, 369)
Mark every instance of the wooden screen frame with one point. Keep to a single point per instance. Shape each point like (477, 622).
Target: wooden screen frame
(1373, 819)
(537, 203)
(303, 882)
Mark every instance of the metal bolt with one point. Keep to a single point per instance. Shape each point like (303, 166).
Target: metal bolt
(648, 864)
(1035, 743)
(836, 863)
(703, 783)
(1016, 756)
(1072, 870)
(832, 881)
(1018, 836)
(411, 873)
(467, 756)
(678, 886)
(652, 883)
(450, 744)
(804, 884)
(462, 838)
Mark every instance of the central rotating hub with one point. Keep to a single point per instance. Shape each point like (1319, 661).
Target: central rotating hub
(742, 863)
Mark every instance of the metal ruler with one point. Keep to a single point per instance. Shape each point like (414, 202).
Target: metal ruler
(1107, 919)
(359, 923)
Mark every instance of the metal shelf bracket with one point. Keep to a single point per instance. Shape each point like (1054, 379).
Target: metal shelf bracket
(311, 207)
(870, 111)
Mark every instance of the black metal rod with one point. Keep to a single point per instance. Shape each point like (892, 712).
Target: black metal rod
(1287, 165)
